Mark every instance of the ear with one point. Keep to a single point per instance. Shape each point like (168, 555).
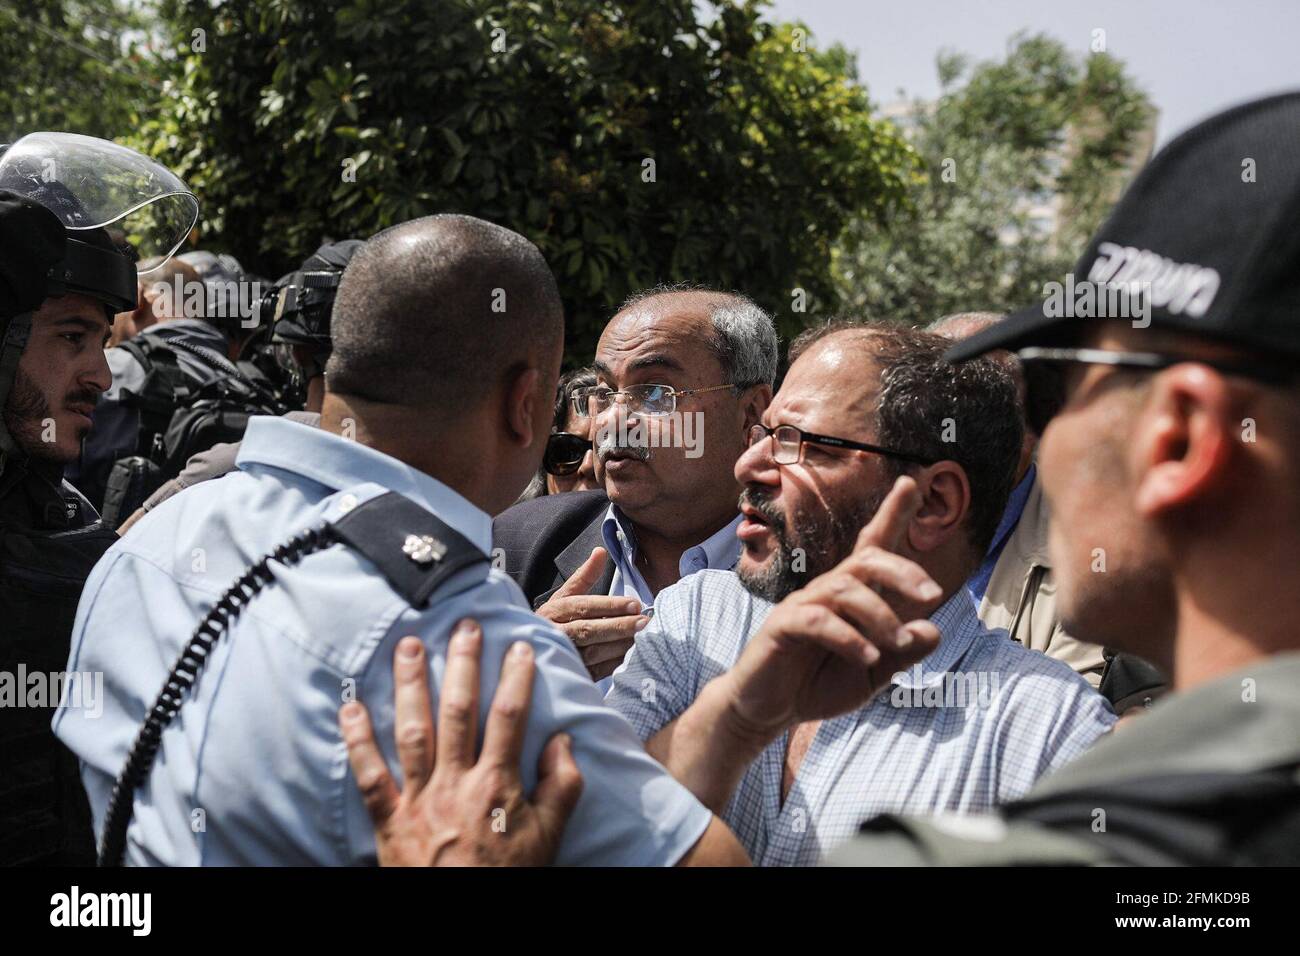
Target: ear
(1184, 441)
(522, 397)
(753, 403)
(945, 502)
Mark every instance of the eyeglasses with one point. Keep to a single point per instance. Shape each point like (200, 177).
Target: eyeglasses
(1045, 384)
(564, 453)
(788, 443)
(649, 400)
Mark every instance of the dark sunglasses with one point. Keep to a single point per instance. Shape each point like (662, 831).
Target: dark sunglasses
(1045, 373)
(564, 453)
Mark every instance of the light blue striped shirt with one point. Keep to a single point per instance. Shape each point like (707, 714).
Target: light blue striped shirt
(971, 726)
(253, 770)
(719, 551)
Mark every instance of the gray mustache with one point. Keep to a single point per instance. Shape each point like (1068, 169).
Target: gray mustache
(609, 445)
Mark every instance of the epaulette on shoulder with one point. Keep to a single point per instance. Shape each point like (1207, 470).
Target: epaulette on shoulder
(413, 549)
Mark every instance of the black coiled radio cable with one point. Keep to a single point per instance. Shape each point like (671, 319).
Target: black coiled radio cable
(112, 847)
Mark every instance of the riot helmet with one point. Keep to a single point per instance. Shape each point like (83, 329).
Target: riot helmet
(95, 211)
(298, 308)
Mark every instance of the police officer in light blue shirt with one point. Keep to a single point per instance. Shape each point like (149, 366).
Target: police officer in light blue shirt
(447, 340)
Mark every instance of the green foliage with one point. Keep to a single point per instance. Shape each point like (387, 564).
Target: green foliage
(1043, 123)
(770, 174)
(73, 65)
(540, 116)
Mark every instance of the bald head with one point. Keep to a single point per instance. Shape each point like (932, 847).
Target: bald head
(159, 291)
(962, 325)
(435, 313)
(719, 348)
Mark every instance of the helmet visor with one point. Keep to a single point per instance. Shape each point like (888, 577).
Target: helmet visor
(90, 183)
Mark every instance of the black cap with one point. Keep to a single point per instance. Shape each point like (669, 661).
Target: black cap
(1210, 228)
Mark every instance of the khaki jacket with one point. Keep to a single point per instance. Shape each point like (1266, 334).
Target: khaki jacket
(1021, 596)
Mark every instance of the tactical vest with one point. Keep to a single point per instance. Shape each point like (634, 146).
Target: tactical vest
(49, 541)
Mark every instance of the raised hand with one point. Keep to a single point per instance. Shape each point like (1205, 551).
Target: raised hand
(830, 646)
(461, 812)
(603, 628)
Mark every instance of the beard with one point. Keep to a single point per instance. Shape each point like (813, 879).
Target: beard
(808, 545)
(26, 412)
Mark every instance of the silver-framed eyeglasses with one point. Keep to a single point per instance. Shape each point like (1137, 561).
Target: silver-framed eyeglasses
(648, 400)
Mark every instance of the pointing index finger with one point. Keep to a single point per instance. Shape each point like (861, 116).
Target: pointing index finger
(583, 579)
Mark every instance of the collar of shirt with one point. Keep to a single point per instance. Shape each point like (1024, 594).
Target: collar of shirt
(979, 581)
(959, 628)
(719, 551)
(340, 463)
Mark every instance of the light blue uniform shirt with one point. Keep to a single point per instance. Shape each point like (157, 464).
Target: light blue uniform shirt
(972, 725)
(253, 771)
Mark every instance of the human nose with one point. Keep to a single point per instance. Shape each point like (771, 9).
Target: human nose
(600, 420)
(622, 411)
(99, 376)
(757, 465)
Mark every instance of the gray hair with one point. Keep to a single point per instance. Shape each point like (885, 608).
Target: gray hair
(745, 340)
(1038, 404)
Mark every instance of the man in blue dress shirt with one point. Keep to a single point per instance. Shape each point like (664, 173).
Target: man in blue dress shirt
(682, 374)
(447, 344)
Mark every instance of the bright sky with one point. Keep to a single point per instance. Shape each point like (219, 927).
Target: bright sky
(1192, 57)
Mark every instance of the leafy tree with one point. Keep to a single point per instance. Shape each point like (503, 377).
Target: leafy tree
(635, 143)
(78, 65)
(1002, 137)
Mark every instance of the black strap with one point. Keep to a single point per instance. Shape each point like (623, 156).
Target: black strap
(213, 359)
(166, 387)
(413, 549)
(1128, 680)
(140, 351)
(320, 280)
